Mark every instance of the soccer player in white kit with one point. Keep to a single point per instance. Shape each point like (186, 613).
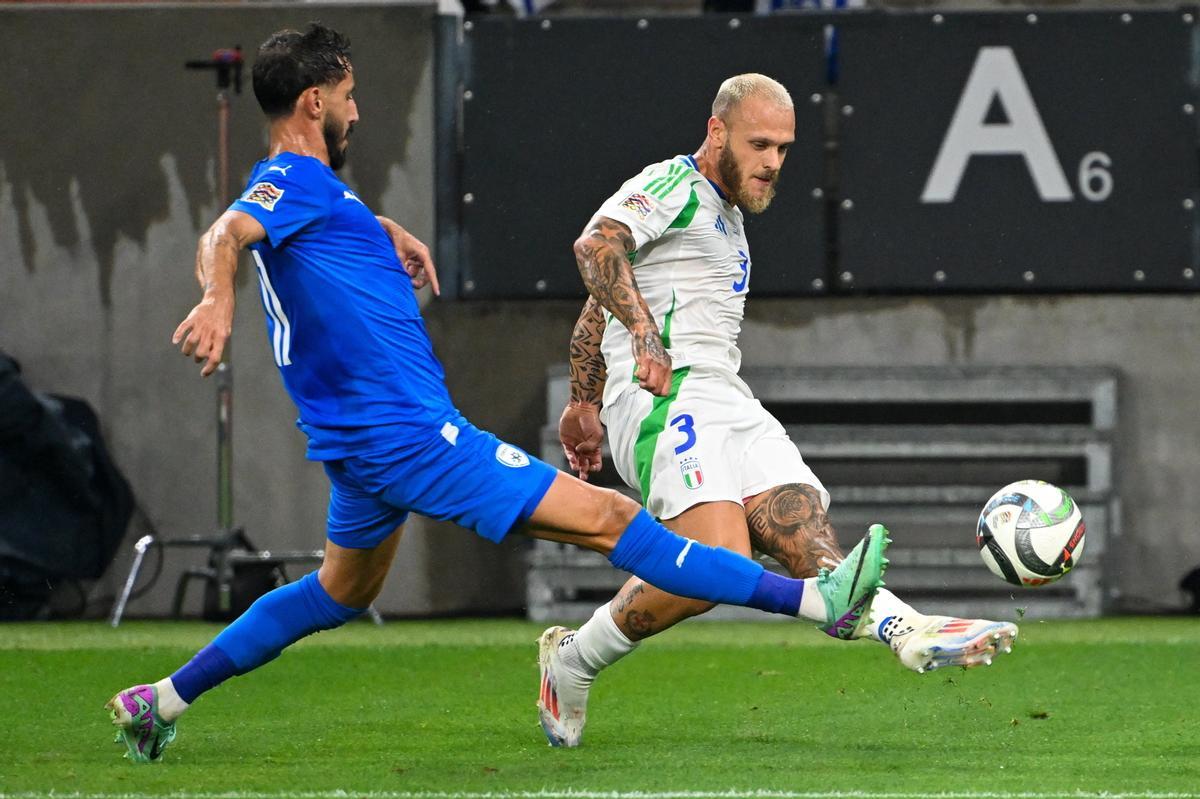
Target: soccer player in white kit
(654, 357)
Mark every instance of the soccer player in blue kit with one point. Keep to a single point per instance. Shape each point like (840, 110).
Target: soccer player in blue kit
(336, 284)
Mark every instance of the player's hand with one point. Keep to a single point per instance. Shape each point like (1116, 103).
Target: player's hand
(581, 434)
(413, 255)
(205, 331)
(653, 363)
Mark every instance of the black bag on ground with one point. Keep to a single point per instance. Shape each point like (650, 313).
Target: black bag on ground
(64, 505)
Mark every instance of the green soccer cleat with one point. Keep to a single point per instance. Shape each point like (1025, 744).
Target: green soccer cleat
(849, 589)
(135, 713)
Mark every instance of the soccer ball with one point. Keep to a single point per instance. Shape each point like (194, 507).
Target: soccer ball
(1030, 533)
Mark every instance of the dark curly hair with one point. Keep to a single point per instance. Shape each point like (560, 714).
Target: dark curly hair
(289, 62)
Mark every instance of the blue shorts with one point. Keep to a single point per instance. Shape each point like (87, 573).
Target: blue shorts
(460, 474)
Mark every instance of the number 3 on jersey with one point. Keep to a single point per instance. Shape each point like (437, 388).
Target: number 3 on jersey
(740, 285)
(686, 425)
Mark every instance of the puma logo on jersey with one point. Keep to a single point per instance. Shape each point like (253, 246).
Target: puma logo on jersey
(280, 169)
(349, 195)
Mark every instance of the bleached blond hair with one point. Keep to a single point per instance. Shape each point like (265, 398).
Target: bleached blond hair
(750, 84)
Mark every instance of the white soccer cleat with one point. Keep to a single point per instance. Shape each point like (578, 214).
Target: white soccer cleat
(936, 642)
(562, 703)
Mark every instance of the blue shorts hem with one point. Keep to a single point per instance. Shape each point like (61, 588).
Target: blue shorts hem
(532, 503)
(368, 539)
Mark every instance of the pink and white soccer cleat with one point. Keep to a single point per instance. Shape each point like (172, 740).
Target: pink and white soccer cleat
(935, 642)
(562, 702)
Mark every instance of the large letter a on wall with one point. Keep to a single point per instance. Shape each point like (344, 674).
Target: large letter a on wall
(996, 77)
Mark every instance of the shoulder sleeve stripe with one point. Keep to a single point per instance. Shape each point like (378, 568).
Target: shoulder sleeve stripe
(661, 180)
(673, 181)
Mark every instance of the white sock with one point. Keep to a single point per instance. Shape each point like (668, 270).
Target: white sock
(598, 644)
(812, 604)
(170, 706)
(891, 618)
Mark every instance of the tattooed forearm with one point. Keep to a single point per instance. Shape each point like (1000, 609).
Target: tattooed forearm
(601, 256)
(789, 523)
(650, 342)
(588, 372)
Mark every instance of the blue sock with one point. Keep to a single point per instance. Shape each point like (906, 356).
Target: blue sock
(276, 619)
(688, 568)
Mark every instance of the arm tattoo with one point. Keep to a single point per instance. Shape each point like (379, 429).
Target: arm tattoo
(608, 275)
(651, 343)
(790, 525)
(588, 372)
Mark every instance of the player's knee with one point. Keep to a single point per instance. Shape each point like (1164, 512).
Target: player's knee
(354, 588)
(616, 512)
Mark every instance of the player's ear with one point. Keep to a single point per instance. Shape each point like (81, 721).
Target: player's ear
(717, 131)
(310, 102)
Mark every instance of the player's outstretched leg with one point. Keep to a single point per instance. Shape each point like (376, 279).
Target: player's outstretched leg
(135, 712)
(789, 522)
(603, 520)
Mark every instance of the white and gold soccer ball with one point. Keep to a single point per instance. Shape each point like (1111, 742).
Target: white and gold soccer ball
(1030, 533)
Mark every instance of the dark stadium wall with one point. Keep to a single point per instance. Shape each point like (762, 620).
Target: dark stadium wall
(107, 177)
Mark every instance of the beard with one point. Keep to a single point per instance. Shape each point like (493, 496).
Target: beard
(731, 175)
(334, 135)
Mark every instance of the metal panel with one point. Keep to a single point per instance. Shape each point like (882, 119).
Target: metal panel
(1104, 199)
(558, 113)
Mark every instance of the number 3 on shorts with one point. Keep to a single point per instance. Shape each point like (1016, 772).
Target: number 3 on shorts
(684, 423)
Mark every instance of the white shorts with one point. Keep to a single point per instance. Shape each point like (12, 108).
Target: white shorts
(709, 441)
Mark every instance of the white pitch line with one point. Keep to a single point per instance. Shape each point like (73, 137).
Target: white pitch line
(610, 794)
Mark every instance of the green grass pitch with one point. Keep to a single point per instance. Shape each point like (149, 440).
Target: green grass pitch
(411, 709)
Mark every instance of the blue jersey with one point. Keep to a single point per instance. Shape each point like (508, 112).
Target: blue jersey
(342, 318)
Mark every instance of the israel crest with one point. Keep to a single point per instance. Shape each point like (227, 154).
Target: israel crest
(511, 456)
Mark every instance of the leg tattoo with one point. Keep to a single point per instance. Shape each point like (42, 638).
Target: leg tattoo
(631, 609)
(634, 623)
(789, 523)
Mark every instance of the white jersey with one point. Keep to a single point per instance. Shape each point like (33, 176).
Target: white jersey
(691, 263)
